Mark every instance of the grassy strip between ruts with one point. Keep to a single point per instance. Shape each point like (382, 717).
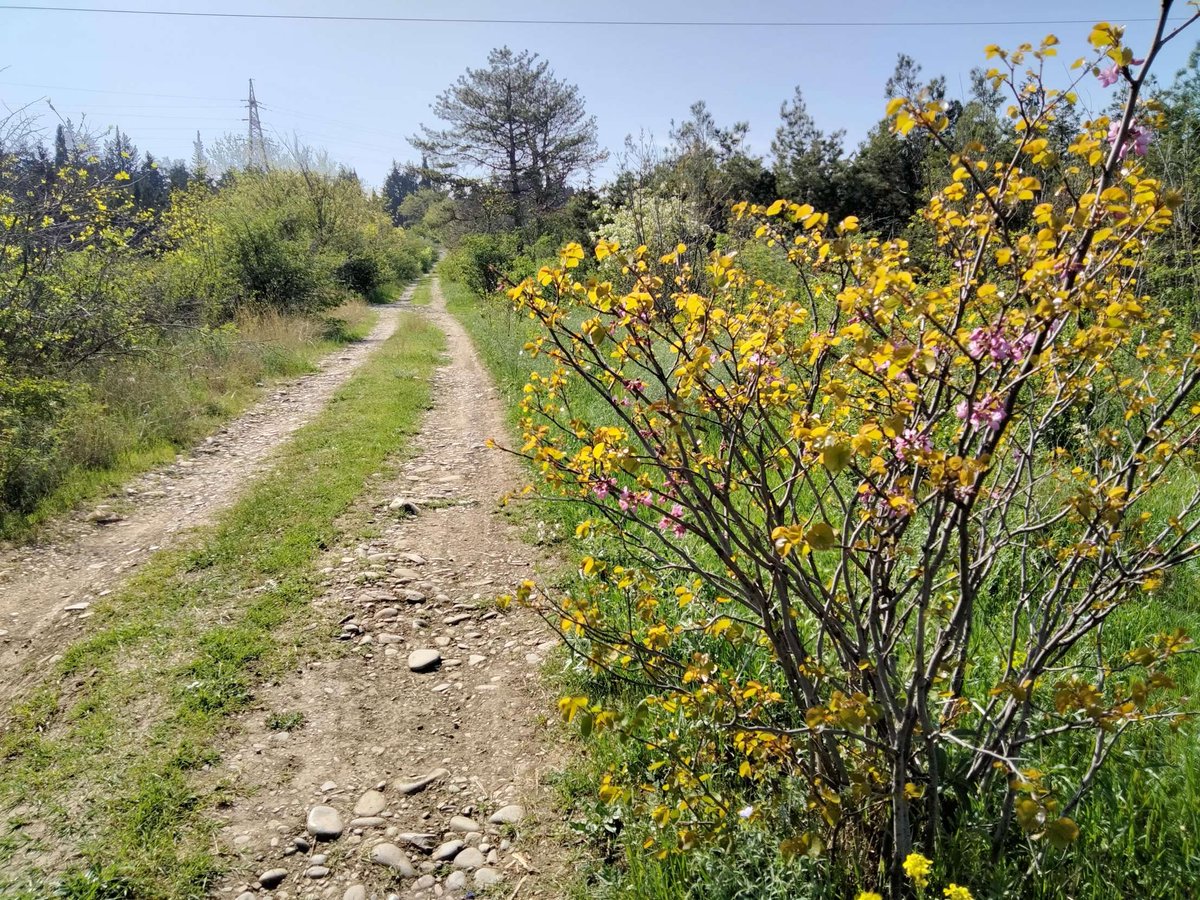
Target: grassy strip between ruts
(423, 292)
(100, 786)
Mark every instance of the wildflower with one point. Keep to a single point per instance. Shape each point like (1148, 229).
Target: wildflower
(868, 895)
(746, 812)
(602, 488)
(626, 500)
(1138, 137)
(911, 443)
(917, 868)
(989, 411)
(1108, 77)
(957, 892)
(121, 176)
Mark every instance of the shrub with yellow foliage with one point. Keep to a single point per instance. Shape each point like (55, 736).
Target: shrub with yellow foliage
(880, 516)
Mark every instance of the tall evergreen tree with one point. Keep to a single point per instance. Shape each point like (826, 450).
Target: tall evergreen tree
(514, 123)
(809, 165)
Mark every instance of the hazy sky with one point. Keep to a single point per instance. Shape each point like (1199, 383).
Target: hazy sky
(360, 88)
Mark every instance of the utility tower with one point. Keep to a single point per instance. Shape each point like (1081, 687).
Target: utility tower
(256, 147)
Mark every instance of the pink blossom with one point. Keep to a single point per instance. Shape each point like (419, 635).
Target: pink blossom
(626, 499)
(602, 488)
(911, 443)
(674, 522)
(1108, 77)
(1138, 137)
(989, 411)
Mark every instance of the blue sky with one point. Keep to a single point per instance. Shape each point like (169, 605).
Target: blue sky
(359, 89)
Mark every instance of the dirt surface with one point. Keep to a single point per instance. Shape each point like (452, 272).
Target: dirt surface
(46, 588)
(352, 730)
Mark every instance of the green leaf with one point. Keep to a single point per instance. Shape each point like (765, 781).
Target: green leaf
(1061, 833)
(821, 537)
(836, 457)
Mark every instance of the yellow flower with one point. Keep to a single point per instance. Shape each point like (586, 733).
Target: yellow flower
(917, 868)
(121, 176)
(957, 892)
(869, 895)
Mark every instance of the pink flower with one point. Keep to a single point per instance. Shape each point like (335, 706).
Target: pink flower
(911, 443)
(989, 411)
(674, 522)
(626, 499)
(1108, 77)
(1138, 137)
(602, 488)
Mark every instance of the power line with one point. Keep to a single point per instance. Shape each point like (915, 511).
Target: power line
(624, 23)
(61, 87)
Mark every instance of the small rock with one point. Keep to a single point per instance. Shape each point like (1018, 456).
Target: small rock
(425, 660)
(394, 858)
(355, 892)
(272, 878)
(324, 823)
(367, 822)
(316, 872)
(246, 895)
(464, 825)
(456, 882)
(487, 877)
(508, 815)
(424, 883)
(413, 787)
(328, 786)
(448, 850)
(372, 803)
(318, 859)
(404, 506)
(469, 858)
(105, 515)
(422, 842)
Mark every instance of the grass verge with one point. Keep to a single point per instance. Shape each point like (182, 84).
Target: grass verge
(139, 411)
(101, 782)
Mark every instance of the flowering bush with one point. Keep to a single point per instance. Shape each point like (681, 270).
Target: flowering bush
(879, 519)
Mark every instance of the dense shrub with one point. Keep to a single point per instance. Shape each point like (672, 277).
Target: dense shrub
(863, 538)
(90, 282)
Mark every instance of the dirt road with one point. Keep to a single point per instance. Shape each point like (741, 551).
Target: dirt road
(375, 720)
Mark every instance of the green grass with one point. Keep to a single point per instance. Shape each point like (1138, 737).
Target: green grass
(139, 411)
(1140, 825)
(424, 291)
(104, 766)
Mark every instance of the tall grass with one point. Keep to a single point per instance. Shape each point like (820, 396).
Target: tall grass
(139, 409)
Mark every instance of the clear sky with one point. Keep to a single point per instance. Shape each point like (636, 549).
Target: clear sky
(359, 89)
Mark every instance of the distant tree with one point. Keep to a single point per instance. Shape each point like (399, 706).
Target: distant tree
(711, 166)
(809, 164)
(62, 152)
(178, 176)
(399, 184)
(119, 155)
(886, 183)
(518, 126)
(150, 185)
